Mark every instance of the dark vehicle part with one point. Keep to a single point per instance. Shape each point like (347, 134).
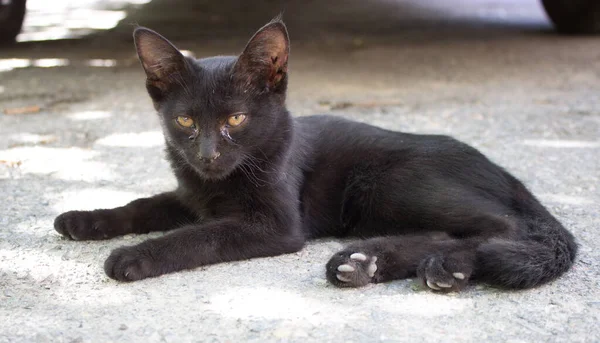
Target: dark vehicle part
(568, 16)
(574, 16)
(12, 13)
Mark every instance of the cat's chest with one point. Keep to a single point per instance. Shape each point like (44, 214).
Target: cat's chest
(211, 204)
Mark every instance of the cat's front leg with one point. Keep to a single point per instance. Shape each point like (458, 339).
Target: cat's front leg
(158, 213)
(196, 245)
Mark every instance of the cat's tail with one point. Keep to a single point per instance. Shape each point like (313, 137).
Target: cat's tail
(546, 251)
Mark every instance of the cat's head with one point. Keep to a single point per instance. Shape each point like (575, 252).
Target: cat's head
(218, 113)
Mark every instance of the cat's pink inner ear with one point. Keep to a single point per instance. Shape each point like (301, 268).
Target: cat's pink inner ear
(266, 55)
(158, 56)
(279, 59)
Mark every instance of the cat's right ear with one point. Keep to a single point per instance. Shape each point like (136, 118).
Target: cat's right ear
(263, 63)
(163, 63)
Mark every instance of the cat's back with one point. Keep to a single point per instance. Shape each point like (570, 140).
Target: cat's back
(326, 132)
(340, 152)
(335, 149)
(332, 137)
(334, 146)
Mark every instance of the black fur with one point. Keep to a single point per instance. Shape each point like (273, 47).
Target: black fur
(434, 206)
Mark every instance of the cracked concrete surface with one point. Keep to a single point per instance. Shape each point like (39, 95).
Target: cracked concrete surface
(525, 97)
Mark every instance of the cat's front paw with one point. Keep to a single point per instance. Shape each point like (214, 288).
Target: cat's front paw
(351, 269)
(83, 225)
(445, 274)
(130, 264)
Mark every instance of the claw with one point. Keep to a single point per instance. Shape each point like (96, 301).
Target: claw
(345, 268)
(459, 276)
(372, 268)
(430, 284)
(358, 256)
(444, 285)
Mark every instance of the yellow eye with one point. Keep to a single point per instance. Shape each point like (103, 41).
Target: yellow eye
(236, 119)
(185, 121)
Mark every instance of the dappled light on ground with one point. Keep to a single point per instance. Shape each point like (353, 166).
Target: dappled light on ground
(566, 199)
(31, 138)
(246, 303)
(93, 198)
(61, 19)
(266, 303)
(559, 143)
(107, 63)
(426, 304)
(65, 164)
(89, 115)
(15, 63)
(142, 139)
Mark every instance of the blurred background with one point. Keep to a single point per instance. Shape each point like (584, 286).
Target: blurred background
(62, 19)
(384, 34)
(477, 69)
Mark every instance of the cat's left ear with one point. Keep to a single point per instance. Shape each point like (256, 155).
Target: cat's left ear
(263, 64)
(163, 63)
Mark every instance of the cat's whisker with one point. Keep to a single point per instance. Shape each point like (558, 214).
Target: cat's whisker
(252, 176)
(255, 162)
(251, 164)
(247, 173)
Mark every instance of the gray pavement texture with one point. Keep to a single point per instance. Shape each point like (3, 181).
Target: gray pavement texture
(527, 98)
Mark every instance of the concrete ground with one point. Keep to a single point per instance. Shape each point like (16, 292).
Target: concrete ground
(490, 73)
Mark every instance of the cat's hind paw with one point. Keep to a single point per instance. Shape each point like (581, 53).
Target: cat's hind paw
(443, 274)
(351, 269)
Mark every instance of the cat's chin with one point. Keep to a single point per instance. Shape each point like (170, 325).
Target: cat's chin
(211, 174)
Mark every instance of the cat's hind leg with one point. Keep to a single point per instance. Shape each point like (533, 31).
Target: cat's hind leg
(390, 199)
(442, 263)
(352, 268)
(447, 272)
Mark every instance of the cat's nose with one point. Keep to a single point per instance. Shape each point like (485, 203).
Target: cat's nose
(210, 157)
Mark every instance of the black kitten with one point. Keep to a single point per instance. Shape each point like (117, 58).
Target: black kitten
(254, 182)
